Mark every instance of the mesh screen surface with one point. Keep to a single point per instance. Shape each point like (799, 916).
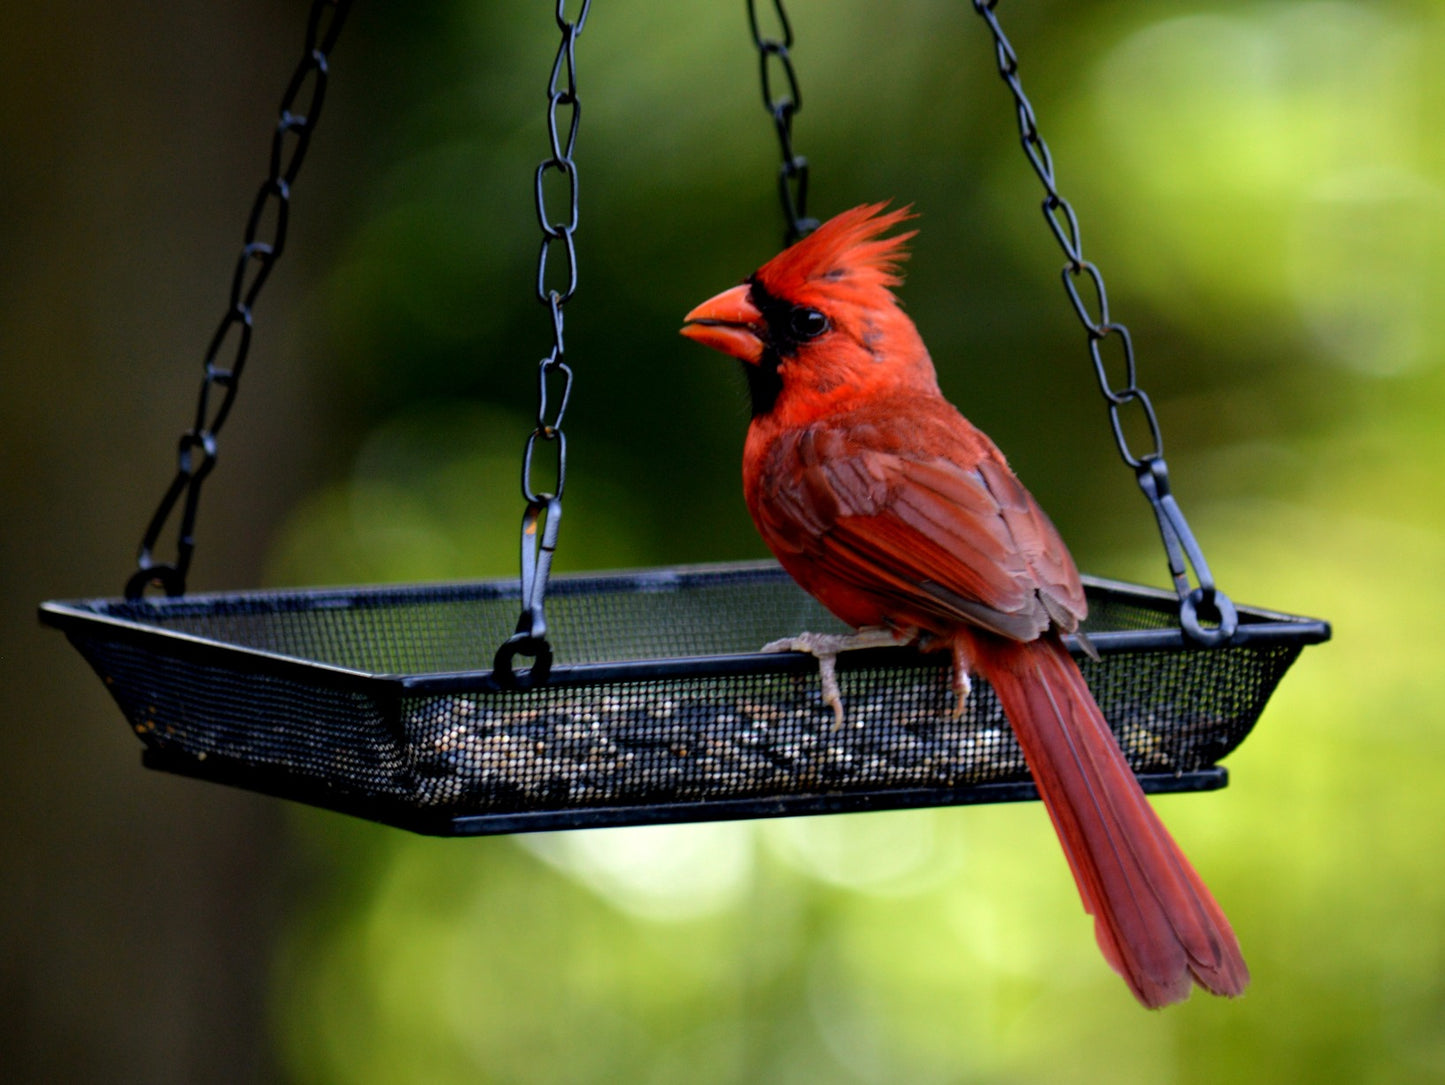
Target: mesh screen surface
(693, 738)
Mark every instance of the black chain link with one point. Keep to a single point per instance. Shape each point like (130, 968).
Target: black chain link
(543, 515)
(1084, 285)
(232, 340)
(774, 53)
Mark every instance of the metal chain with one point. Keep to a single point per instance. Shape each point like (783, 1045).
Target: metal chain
(1084, 285)
(197, 452)
(543, 515)
(793, 174)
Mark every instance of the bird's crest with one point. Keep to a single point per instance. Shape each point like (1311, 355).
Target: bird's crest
(847, 252)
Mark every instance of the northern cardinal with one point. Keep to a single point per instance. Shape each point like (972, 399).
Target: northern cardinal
(905, 521)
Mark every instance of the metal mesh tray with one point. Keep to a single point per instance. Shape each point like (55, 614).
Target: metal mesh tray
(380, 702)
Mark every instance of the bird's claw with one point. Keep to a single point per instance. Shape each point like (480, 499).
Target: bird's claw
(961, 688)
(816, 645)
(962, 665)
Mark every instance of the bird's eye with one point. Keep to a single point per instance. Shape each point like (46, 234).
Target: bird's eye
(807, 323)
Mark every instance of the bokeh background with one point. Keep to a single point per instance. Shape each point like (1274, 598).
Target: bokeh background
(1263, 183)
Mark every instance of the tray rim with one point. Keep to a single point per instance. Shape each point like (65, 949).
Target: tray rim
(88, 618)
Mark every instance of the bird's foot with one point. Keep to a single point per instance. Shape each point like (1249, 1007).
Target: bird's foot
(825, 648)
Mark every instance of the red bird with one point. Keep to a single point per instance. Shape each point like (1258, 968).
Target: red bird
(905, 521)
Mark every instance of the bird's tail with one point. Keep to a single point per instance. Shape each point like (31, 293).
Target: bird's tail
(1155, 920)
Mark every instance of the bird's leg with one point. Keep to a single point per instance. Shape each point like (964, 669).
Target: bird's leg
(826, 646)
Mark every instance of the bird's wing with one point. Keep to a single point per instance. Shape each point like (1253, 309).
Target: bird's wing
(947, 537)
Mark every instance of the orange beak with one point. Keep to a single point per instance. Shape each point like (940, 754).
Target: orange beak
(730, 323)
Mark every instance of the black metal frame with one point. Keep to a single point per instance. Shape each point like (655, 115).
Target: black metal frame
(1256, 626)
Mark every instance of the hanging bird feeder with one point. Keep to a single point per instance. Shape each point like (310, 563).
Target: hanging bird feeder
(645, 699)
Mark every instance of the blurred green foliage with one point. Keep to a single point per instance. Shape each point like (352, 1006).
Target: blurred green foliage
(1263, 185)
